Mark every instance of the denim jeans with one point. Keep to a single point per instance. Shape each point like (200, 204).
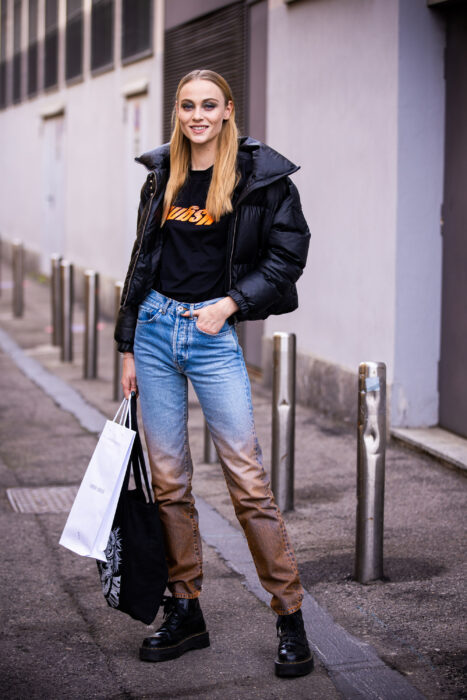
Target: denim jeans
(169, 349)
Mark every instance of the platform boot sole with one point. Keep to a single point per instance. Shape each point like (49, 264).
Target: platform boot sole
(292, 670)
(196, 641)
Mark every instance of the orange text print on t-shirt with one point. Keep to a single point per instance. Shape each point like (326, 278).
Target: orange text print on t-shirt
(193, 215)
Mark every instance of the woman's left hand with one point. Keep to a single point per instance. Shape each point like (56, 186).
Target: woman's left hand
(210, 319)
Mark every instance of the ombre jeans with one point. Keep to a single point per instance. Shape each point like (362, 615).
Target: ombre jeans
(169, 349)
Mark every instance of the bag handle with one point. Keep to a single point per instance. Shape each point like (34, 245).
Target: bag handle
(139, 469)
(123, 412)
(137, 461)
(139, 456)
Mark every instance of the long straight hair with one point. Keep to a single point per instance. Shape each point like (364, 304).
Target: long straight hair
(224, 174)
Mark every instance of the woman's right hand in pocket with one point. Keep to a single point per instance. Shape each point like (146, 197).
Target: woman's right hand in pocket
(129, 375)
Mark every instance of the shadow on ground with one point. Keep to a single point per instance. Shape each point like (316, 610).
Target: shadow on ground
(340, 567)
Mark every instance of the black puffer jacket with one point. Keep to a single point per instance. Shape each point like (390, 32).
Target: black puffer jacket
(267, 246)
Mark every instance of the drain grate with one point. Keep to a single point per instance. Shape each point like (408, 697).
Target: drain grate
(46, 499)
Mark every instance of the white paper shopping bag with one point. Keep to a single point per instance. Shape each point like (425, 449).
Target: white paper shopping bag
(90, 520)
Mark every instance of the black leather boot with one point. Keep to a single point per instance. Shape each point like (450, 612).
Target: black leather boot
(294, 657)
(183, 629)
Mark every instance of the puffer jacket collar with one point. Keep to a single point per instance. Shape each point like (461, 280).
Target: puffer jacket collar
(258, 163)
(266, 164)
(157, 159)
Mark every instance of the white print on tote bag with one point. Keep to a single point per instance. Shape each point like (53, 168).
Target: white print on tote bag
(109, 569)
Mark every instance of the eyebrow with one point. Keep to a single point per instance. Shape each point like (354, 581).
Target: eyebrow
(205, 99)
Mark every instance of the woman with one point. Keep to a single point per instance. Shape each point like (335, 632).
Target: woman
(220, 237)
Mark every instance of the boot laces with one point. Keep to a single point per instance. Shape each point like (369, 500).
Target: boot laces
(171, 614)
(168, 602)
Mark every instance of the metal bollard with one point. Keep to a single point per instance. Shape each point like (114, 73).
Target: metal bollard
(55, 298)
(117, 387)
(283, 419)
(66, 310)
(91, 316)
(18, 278)
(210, 454)
(370, 471)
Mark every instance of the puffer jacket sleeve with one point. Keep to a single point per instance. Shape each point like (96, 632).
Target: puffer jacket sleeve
(127, 315)
(282, 261)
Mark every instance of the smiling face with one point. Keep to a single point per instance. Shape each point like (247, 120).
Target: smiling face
(201, 109)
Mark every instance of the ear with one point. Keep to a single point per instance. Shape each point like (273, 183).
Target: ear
(228, 110)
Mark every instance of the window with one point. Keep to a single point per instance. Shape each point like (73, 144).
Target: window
(51, 44)
(136, 28)
(32, 48)
(17, 51)
(74, 39)
(3, 59)
(102, 33)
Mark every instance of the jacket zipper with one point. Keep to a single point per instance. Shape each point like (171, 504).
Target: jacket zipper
(141, 240)
(242, 196)
(232, 249)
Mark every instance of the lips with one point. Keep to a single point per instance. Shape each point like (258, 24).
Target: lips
(198, 129)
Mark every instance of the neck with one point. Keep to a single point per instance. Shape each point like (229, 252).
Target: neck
(203, 155)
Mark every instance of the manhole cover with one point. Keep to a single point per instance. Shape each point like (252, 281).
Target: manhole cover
(46, 499)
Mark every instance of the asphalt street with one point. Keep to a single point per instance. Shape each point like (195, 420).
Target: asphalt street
(61, 640)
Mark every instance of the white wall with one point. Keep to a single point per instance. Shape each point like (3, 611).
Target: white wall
(356, 97)
(332, 108)
(97, 162)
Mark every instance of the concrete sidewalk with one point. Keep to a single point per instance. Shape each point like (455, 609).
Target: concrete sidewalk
(61, 640)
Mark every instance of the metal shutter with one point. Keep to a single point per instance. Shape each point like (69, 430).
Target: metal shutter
(216, 41)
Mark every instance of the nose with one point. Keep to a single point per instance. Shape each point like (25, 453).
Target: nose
(197, 113)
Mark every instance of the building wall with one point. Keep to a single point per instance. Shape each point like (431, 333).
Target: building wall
(348, 116)
(355, 95)
(100, 137)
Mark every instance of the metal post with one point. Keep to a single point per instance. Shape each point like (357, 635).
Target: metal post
(370, 471)
(66, 296)
(117, 387)
(55, 298)
(283, 420)
(91, 315)
(18, 278)
(210, 454)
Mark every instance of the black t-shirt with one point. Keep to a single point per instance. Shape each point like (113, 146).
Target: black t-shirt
(192, 265)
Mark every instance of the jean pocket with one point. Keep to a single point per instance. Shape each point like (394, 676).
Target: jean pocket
(226, 328)
(148, 314)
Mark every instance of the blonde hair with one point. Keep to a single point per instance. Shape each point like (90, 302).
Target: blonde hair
(224, 175)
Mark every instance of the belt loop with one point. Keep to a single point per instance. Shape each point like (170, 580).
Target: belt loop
(192, 306)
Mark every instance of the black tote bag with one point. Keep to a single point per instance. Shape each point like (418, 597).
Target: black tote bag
(135, 575)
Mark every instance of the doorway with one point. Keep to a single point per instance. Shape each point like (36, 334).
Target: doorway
(53, 190)
(453, 359)
(136, 142)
